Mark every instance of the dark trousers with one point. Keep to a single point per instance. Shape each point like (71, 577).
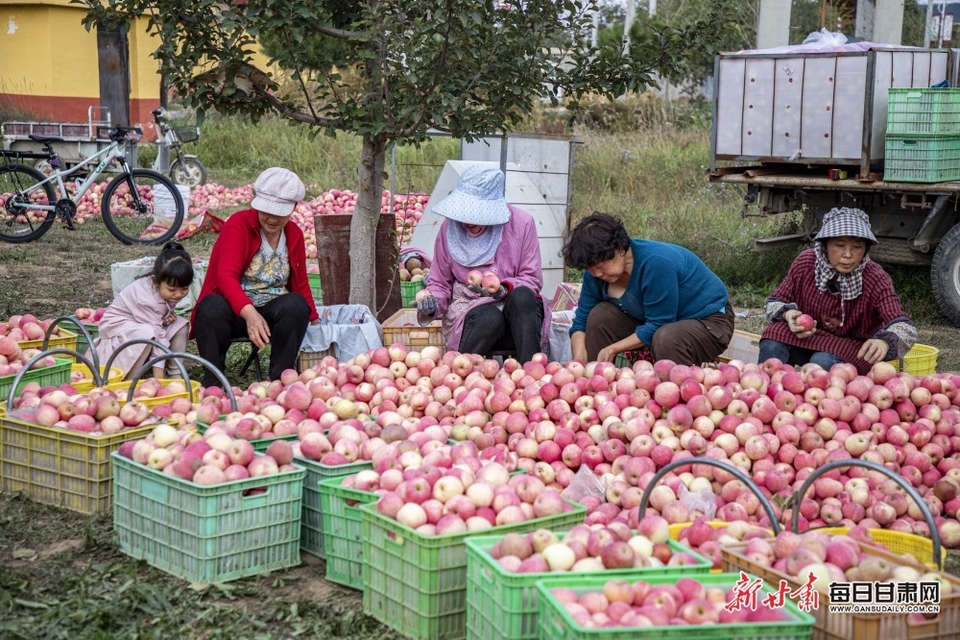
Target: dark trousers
(518, 327)
(684, 342)
(216, 324)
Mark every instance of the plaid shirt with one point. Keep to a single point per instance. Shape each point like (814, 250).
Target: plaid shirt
(842, 325)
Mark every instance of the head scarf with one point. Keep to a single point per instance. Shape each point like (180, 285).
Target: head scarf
(473, 251)
(851, 284)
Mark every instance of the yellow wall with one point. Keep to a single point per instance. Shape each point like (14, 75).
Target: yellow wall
(49, 61)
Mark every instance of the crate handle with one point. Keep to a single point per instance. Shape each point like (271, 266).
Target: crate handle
(26, 367)
(720, 464)
(910, 143)
(86, 334)
(394, 538)
(873, 466)
(248, 499)
(419, 335)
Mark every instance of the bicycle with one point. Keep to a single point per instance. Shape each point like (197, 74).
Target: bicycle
(186, 169)
(30, 200)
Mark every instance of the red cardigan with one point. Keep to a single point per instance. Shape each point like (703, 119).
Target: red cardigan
(232, 252)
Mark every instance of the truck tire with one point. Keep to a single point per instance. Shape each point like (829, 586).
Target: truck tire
(945, 274)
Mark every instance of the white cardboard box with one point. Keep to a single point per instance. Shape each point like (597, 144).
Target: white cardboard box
(743, 346)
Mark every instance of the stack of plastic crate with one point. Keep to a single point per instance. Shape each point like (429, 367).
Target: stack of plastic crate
(923, 135)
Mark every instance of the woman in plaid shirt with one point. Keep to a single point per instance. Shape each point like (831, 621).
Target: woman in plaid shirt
(858, 317)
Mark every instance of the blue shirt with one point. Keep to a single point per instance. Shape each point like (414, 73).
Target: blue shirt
(668, 283)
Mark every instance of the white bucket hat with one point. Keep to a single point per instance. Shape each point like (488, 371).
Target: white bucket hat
(478, 198)
(278, 192)
(846, 221)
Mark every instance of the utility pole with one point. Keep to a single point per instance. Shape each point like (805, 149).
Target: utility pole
(928, 25)
(773, 28)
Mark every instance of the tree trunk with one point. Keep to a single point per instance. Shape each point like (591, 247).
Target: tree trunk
(363, 226)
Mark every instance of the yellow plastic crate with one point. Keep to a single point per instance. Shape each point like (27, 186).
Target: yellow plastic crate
(899, 543)
(57, 466)
(86, 384)
(859, 626)
(65, 340)
(403, 327)
(121, 388)
(678, 527)
(921, 360)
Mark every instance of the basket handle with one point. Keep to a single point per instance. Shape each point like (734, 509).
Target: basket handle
(130, 343)
(86, 334)
(873, 466)
(26, 367)
(720, 464)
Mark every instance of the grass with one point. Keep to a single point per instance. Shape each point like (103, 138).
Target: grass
(61, 574)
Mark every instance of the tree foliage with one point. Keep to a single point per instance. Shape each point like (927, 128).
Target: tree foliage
(387, 70)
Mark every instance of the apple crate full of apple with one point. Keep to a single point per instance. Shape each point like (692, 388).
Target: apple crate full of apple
(417, 583)
(49, 372)
(208, 533)
(260, 444)
(830, 559)
(154, 392)
(644, 608)
(61, 466)
(502, 571)
(312, 529)
(342, 531)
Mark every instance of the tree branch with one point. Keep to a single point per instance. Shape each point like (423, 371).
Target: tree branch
(333, 32)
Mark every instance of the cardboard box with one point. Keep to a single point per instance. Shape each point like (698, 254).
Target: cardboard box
(743, 346)
(566, 296)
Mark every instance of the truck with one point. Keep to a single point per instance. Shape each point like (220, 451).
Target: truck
(803, 132)
(80, 139)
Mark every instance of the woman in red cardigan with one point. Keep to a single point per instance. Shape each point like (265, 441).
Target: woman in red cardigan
(853, 313)
(256, 284)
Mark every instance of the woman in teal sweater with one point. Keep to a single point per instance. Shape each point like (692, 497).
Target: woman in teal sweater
(642, 293)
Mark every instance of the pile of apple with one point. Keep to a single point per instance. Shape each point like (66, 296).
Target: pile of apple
(619, 603)
(99, 412)
(89, 316)
(206, 460)
(20, 328)
(701, 536)
(584, 548)
(13, 359)
(469, 495)
(838, 558)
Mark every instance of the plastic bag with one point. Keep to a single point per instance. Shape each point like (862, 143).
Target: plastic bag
(585, 483)
(824, 39)
(201, 223)
(703, 501)
(164, 210)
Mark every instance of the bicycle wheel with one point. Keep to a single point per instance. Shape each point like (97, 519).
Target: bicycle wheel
(20, 184)
(149, 214)
(190, 172)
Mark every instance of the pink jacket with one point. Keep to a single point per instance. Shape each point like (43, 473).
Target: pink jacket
(516, 263)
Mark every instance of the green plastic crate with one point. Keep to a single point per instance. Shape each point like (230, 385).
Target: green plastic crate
(261, 445)
(408, 292)
(315, 288)
(503, 605)
(916, 158)
(417, 584)
(343, 531)
(923, 110)
(311, 523)
(61, 467)
(557, 624)
(82, 345)
(54, 376)
(207, 534)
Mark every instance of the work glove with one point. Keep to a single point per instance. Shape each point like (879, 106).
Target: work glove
(790, 317)
(874, 350)
(496, 294)
(426, 304)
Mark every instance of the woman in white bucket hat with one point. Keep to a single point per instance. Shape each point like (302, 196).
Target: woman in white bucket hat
(856, 315)
(256, 284)
(484, 233)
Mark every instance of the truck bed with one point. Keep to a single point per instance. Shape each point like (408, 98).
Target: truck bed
(788, 177)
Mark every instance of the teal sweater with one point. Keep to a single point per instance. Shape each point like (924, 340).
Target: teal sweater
(668, 283)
